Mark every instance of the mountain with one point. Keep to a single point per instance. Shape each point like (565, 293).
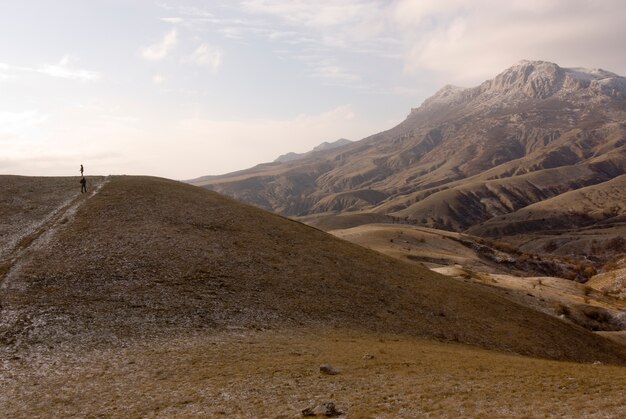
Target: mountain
(322, 147)
(465, 156)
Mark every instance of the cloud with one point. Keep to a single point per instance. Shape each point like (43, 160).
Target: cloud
(323, 13)
(409, 12)
(327, 70)
(208, 56)
(15, 120)
(160, 50)
(158, 79)
(453, 40)
(5, 73)
(173, 20)
(19, 125)
(63, 70)
(473, 41)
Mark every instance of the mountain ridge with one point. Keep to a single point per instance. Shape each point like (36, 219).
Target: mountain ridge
(534, 119)
(321, 147)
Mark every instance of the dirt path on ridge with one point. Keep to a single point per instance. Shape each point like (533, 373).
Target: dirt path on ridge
(39, 232)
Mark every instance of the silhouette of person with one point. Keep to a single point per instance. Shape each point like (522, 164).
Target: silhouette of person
(83, 185)
(81, 169)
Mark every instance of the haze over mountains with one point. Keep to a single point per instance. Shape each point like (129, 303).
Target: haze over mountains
(468, 155)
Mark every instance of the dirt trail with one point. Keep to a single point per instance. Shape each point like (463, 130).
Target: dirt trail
(40, 234)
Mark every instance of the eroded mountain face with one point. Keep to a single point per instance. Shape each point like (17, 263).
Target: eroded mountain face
(465, 155)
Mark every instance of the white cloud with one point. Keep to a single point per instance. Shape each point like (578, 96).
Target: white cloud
(323, 13)
(208, 56)
(456, 40)
(331, 71)
(158, 79)
(173, 20)
(473, 41)
(14, 120)
(160, 50)
(409, 12)
(19, 125)
(63, 70)
(6, 76)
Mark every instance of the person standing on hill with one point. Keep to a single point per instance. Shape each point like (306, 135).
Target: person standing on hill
(83, 185)
(81, 169)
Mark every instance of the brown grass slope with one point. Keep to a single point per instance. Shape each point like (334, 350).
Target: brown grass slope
(149, 257)
(276, 375)
(27, 202)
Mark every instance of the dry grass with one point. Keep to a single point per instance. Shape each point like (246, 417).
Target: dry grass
(151, 257)
(276, 374)
(159, 298)
(28, 202)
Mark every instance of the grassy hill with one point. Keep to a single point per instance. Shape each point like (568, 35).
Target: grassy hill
(149, 285)
(150, 256)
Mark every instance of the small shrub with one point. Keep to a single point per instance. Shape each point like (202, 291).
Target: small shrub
(616, 244)
(561, 310)
(597, 314)
(550, 246)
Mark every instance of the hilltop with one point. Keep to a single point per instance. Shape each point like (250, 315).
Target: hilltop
(189, 259)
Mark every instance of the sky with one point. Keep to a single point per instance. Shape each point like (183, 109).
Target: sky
(183, 89)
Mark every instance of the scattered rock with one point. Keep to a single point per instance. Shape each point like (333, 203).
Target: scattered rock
(327, 409)
(328, 369)
(367, 357)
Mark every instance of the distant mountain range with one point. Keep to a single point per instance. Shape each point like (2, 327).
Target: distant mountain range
(322, 147)
(468, 158)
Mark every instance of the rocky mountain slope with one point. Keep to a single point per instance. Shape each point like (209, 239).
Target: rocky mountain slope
(465, 156)
(148, 258)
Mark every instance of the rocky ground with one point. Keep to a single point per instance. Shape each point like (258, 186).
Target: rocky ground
(243, 373)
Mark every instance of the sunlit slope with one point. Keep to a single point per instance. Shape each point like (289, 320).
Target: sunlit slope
(148, 257)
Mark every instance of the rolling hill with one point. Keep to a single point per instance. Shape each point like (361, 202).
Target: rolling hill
(148, 297)
(151, 257)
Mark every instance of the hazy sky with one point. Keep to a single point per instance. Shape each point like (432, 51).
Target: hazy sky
(188, 88)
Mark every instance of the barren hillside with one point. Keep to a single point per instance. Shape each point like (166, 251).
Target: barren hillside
(209, 306)
(146, 257)
(602, 204)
